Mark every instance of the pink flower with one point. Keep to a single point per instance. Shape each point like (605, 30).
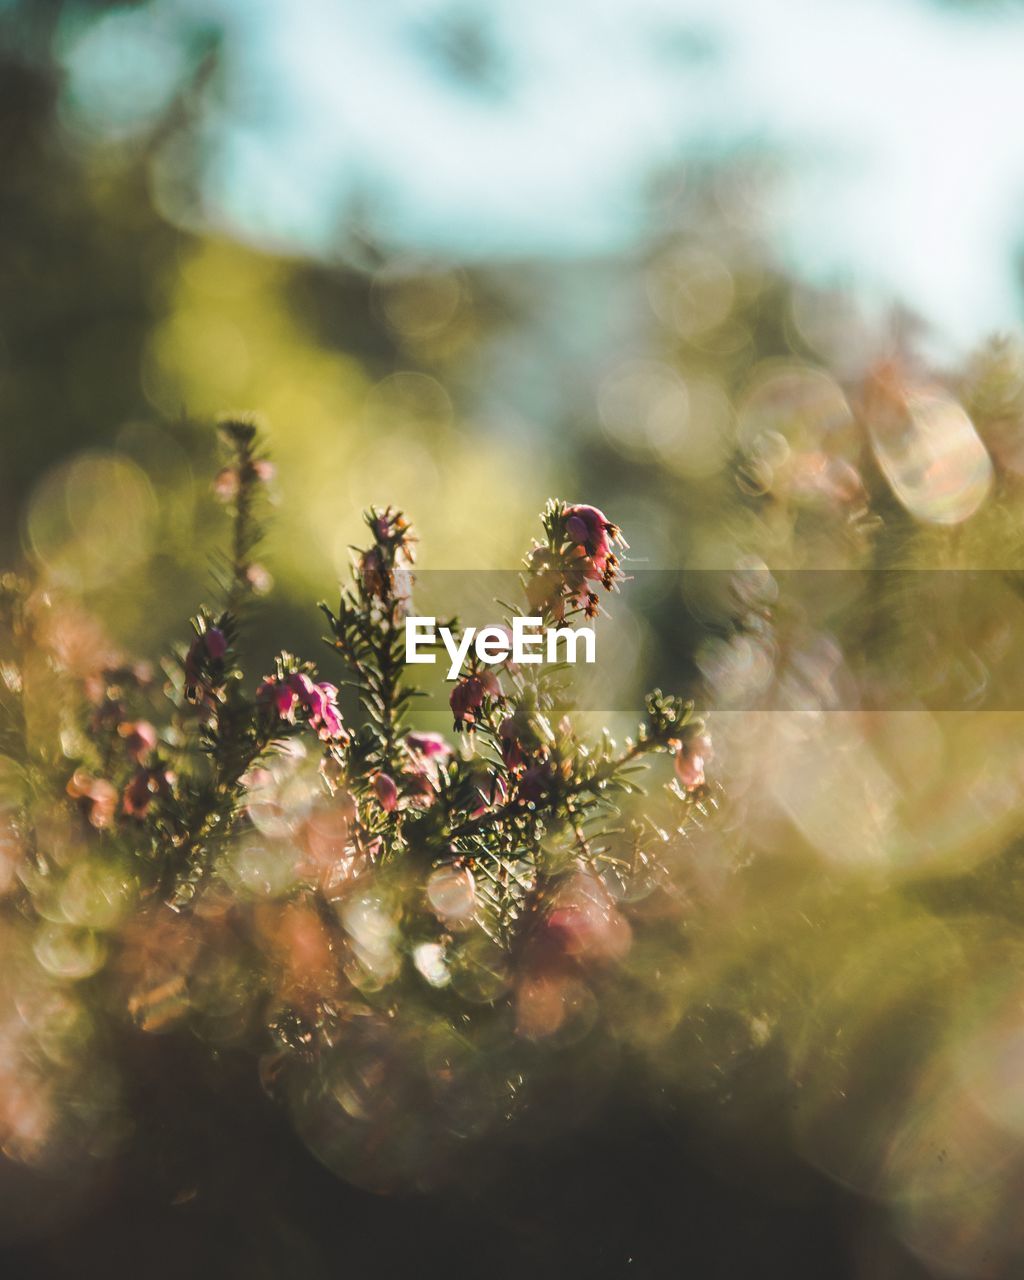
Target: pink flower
(307, 696)
(139, 739)
(285, 700)
(209, 646)
(317, 697)
(328, 724)
(259, 579)
(228, 481)
(282, 696)
(558, 576)
(320, 701)
(690, 760)
(591, 529)
(430, 745)
(97, 796)
(426, 752)
(466, 699)
(301, 683)
(226, 484)
(298, 692)
(511, 747)
(386, 791)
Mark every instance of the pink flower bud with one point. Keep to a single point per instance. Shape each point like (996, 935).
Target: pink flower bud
(302, 685)
(298, 692)
(690, 760)
(431, 745)
(209, 646)
(588, 527)
(259, 579)
(282, 697)
(511, 748)
(591, 530)
(97, 796)
(466, 699)
(329, 725)
(386, 791)
(324, 716)
(226, 484)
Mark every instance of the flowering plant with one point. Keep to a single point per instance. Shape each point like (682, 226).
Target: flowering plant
(262, 862)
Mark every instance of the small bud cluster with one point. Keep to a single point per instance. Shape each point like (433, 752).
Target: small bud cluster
(579, 551)
(288, 695)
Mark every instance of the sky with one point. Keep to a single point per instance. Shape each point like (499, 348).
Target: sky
(508, 128)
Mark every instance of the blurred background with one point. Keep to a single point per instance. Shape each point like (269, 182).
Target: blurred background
(746, 275)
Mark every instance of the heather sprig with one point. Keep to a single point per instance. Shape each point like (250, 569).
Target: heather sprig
(216, 838)
(366, 632)
(527, 798)
(226, 730)
(241, 484)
